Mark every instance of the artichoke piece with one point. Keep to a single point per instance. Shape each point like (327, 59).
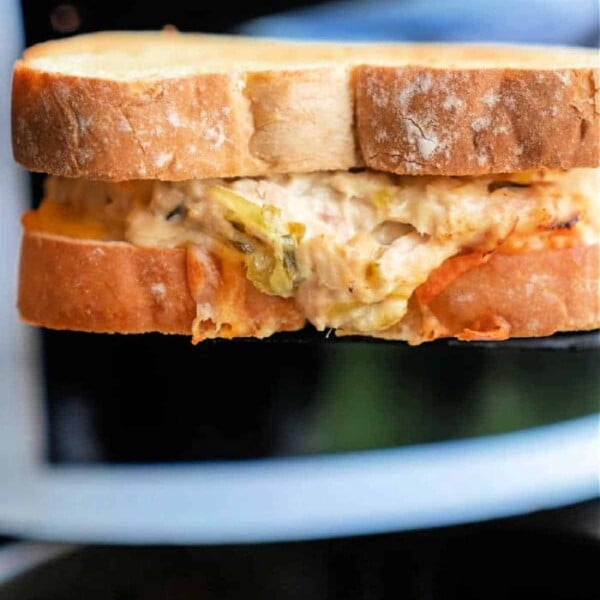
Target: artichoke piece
(266, 241)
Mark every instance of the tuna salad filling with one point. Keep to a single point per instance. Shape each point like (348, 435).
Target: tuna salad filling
(350, 248)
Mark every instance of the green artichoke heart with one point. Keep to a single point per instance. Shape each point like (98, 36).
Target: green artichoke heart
(268, 244)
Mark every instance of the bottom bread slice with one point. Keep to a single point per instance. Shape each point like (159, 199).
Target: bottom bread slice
(115, 287)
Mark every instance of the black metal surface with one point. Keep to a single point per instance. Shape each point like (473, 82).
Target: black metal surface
(584, 340)
(587, 340)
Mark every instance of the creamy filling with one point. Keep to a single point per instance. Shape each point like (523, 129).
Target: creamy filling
(350, 247)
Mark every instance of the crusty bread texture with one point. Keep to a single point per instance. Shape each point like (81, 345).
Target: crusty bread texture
(170, 106)
(117, 287)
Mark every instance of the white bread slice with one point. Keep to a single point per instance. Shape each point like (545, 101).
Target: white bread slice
(117, 287)
(170, 106)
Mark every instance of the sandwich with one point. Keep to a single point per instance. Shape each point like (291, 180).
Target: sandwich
(234, 187)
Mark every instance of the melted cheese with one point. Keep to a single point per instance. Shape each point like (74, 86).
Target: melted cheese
(350, 247)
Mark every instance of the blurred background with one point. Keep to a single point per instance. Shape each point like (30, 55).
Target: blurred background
(80, 406)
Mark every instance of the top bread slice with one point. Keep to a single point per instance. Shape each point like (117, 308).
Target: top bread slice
(171, 106)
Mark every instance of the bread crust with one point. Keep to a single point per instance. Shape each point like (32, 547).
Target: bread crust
(104, 287)
(355, 111)
(116, 287)
(518, 295)
(471, 122)
(210, 125)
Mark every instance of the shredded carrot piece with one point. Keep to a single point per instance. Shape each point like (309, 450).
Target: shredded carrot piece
(495, 328)
(447, 272)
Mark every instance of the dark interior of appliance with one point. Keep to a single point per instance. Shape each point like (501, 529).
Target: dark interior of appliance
(157, 398)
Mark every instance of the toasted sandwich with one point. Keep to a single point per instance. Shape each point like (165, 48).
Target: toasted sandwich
(236, 187)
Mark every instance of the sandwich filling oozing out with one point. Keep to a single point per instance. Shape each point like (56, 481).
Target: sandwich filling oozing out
(351, 248)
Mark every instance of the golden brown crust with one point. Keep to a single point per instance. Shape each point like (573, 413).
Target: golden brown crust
(343, 109)
(116, 287)
(209, 125)
(471, 122)
(517, 295)
(103, 287)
